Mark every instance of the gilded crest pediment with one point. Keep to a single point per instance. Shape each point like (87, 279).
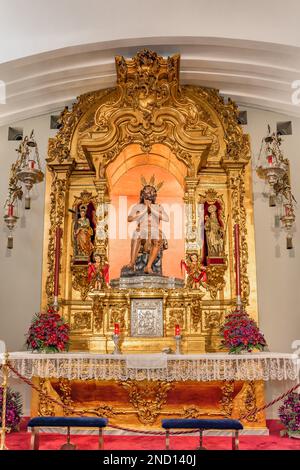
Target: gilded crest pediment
(148, 106)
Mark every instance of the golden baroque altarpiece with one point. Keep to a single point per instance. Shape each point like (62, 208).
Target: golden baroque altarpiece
(149, 112)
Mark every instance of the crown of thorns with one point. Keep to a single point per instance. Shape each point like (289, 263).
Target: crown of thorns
(151, 182)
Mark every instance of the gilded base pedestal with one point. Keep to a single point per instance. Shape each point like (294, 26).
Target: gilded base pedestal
(199, 320)
(142, 404)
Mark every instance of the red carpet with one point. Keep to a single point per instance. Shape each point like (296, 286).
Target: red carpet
(21, 441)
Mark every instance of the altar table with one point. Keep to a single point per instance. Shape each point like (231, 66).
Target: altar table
(167, 367)
(138, 390)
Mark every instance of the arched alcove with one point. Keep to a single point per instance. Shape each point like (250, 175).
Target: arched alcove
(132, 156)
(124, 194)
(124, 181)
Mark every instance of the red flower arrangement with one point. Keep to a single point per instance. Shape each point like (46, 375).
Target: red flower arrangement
(48, 332)
(289, 414)
(241, 333)
(13, 408)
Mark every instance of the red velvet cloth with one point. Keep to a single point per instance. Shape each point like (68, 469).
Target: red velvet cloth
(215, 261)
(21, 441)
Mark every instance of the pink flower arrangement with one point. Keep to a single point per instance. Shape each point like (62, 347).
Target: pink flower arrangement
(48, 332)
(13, 409)
(241, 333)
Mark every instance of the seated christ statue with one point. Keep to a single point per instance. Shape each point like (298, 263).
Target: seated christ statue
(148, 240)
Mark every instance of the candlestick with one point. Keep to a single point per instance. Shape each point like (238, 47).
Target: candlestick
(58, 235)
(178, 339)
(178, 344)
(116, 339)
(237, 265)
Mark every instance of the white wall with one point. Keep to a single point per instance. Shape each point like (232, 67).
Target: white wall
(278, 270)
(21, 268)
(65, 23)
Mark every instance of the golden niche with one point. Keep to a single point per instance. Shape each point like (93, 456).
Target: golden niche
(149, 119)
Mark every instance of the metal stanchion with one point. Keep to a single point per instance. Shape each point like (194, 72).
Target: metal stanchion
(4, 429)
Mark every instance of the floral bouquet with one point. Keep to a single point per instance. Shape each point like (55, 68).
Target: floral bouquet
(48, 332)
(13, 408)
(289, 414)
(241, 333)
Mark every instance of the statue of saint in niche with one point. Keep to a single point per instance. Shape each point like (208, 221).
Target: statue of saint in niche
(83, 234)
(148, 240)
(214, 233)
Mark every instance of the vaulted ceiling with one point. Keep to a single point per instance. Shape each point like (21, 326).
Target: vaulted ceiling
(53, 54)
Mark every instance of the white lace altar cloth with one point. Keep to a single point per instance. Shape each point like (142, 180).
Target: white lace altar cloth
(198, 367)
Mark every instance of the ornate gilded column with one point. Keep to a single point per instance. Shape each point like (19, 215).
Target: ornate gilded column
(235, 171)
(101, 240)
(60, 174)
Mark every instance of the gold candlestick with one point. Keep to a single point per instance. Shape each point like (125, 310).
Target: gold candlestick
(178, 344)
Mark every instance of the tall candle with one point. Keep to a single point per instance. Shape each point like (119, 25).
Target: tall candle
(117, 329)
(288, 210)
(58, 234)
(237, 263)
(10, 211)
(177, 330)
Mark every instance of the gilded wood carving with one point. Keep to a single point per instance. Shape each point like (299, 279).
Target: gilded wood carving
(148, 107)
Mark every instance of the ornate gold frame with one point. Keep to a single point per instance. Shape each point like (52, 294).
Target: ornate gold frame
(148, 108)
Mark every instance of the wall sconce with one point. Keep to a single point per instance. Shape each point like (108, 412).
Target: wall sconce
(26, 170)
(274, 168)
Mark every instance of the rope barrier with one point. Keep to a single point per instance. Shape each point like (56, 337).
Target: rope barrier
(162, 433)
(271, 403)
